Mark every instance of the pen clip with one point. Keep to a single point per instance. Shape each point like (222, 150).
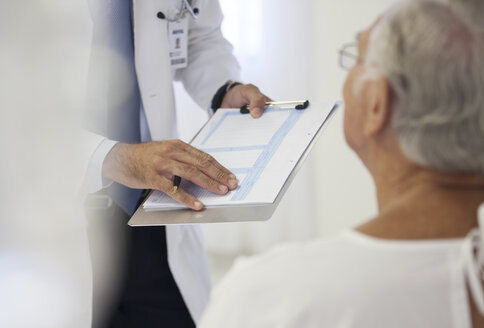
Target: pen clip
(299, 105)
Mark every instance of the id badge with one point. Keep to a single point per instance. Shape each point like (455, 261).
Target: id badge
(178, 39)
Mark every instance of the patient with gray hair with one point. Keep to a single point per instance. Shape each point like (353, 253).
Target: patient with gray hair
(414, 115)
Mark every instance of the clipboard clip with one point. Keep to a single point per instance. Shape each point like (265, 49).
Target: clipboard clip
(297, 104)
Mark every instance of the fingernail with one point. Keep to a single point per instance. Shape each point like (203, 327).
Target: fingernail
(232, 176)
(223, 188)
(198, 205)
(257, 111)
(233, 183)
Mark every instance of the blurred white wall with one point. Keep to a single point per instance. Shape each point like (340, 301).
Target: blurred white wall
(344, 187)
(289, 49)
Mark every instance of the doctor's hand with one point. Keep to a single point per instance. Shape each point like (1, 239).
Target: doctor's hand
(246, 94)
(152, 165)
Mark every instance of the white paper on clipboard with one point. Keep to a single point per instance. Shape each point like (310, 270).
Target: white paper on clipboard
(261, 152)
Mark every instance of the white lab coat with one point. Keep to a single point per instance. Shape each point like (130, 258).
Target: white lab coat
(210, 64)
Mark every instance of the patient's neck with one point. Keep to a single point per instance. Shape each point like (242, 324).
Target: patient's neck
(416, 203)
(410, 179)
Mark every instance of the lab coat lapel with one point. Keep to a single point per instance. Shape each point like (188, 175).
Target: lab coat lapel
(153, 67)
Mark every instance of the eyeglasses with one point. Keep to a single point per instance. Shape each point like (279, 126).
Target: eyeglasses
(348, 56)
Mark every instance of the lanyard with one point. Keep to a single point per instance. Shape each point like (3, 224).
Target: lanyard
(186, 6)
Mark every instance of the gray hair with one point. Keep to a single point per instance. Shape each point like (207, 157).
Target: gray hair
(471, 10)
(433, 59)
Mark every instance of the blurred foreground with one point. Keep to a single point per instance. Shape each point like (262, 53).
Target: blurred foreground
(45, 275)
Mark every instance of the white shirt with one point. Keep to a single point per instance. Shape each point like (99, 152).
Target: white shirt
(351, 280)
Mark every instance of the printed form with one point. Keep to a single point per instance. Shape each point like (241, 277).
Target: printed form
(261, 152)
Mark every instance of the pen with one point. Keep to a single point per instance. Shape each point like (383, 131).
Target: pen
(176, 182)
(297, 104)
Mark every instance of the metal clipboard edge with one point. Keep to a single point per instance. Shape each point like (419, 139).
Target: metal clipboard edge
(225, 214)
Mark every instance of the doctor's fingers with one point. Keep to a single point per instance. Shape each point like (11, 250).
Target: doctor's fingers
(203, 173)
(256, 99)
(166, 185)
(195, 175)
(206, 164)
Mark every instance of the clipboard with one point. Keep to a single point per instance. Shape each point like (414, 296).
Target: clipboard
(225, 214)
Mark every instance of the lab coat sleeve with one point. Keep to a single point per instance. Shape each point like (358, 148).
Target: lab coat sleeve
(95, 145)
(211, 62)
(94, 149)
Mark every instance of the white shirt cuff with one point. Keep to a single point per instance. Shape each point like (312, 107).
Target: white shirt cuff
(94, 176)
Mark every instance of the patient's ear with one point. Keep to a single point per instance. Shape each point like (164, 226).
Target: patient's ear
(378, 107)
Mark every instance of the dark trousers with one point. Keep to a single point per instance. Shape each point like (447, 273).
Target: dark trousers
(149, 296)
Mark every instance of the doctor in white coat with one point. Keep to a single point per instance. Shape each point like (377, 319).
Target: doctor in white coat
(153, 276)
